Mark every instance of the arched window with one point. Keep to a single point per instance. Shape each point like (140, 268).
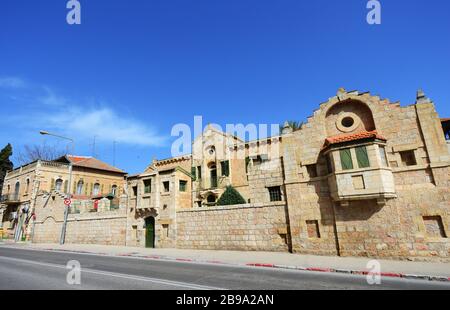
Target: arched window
(58, 185)
(17, 190)
(114, 190)
(213, 175)
(80, 187)
(28, 185)
(96, 189)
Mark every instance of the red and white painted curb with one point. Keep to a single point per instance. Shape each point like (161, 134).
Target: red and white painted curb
(267, 265)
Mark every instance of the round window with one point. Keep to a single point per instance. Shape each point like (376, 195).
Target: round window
(348, 122)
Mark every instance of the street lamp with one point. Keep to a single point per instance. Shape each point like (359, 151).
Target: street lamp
(69, 186)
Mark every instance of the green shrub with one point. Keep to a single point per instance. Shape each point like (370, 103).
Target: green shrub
(230, 197)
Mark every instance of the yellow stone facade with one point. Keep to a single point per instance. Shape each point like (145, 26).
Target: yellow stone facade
(362, 177)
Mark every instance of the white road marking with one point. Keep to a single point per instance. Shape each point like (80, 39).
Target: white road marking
(119, 275)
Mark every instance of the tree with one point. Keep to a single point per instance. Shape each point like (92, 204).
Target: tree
(5, 163)
(35, 152)
(295, 125)
(230, 197)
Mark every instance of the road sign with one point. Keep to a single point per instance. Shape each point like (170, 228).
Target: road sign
(67, 202)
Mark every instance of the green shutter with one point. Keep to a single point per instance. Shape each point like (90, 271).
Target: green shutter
(362, 156)
(193, 173)
(346, 159)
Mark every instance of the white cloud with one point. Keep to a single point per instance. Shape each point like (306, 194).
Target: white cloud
(41, 108)
(12, 82)
(104, 123)
(51, 99)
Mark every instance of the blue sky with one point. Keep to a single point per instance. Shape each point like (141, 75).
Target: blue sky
(133, 69)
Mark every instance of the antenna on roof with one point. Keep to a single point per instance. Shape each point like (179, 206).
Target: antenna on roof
(94, 145)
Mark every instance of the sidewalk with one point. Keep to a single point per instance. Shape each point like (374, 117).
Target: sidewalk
(355, 265)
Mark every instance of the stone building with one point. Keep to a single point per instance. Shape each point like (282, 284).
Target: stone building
(29, 189)
(362, 177)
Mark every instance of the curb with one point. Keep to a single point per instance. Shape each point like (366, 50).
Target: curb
(266, 265)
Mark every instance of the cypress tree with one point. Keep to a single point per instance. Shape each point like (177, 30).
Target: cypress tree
(5, 163)
(230, 197)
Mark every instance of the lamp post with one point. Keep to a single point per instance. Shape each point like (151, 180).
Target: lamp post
(68, 194)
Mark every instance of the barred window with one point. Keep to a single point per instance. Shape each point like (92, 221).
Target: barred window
(275, 193)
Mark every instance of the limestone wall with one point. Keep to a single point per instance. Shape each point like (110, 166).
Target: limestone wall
(102, 227)
(250, 227)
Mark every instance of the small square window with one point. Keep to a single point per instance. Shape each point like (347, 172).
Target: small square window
(275, 193)
(408, 158)
(166, 186)
(183, 185)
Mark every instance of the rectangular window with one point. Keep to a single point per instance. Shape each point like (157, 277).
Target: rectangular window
(147, 186)
(362, 157)
(312, 171)
(275, 193)
(346, 159)
(194, 173)
(183, 185)
(225, 165)
(165, 230)
(199, 170)
(313, 229)
(384, 162)
(135, 191)
(166, 186)
(408, 158)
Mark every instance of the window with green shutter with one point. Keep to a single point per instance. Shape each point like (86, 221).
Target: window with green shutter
(362, 157)
(225, 165)
(346, 159)
(199, 170)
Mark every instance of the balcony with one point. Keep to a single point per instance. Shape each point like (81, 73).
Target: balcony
(360, 169)
(10, 199)
(362, 184)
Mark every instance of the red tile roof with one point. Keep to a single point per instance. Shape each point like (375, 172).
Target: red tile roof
(353, 137)
(92, 163)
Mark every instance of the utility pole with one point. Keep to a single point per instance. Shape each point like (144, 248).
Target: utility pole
(69, 187)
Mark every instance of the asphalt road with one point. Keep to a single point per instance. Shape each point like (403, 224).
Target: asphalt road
(32, 269)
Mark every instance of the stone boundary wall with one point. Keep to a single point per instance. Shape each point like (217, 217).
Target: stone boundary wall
(249, 227)
(104, 229)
